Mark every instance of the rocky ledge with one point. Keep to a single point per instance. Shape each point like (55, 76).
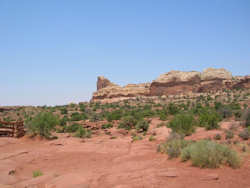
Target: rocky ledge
(172, 83)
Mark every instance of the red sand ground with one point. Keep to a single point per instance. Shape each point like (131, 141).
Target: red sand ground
(108, 163)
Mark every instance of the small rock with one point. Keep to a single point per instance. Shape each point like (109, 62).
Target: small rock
(12, 172)
(211, 177)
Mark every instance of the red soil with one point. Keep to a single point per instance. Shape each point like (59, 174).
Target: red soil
(103, 162)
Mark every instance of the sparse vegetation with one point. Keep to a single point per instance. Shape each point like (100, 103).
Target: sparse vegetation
(142, 126)
(173, 147)
(217, 137)
(107, 126)
(210, 154)
(82, 133)
(229, 134)
(245, 134)
(42, 124)
(183, 124)
(37, 173)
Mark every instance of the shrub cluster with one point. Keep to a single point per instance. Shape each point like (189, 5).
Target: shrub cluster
(183, 124)
(209, 118)
(42, 124)
(83, 133)
(205, 153)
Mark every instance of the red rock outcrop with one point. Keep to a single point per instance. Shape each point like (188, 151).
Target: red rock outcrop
(108, 90)
(173, 83)
(103, 82)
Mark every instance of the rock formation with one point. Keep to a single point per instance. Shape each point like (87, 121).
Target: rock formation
(106, 89)
(172, 83)
(103, 82)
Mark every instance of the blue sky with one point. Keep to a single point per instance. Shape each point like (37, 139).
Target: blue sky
(51, 52)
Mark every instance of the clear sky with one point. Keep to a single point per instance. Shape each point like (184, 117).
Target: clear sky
(51, 51)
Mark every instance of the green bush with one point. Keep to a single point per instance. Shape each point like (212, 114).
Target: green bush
(172, 109)
(225, 111)
(114, 115)
(83, 133)
(63, 121)
(246, 117)
(82, 107)
(183, 124)
(72, 128)
(42, 124)
(172, 147)
(94, 117)
(77, 116)
(136, 137)
(128, 122)
(209, 119)
(107, 126)
(229, 134)
(151, 138)
(37, 173)
(210, 154)
(64, 111)
(142, 126)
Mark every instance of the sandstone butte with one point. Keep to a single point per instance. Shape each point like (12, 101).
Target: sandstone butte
(172, 83)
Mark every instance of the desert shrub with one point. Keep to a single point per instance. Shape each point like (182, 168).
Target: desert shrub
(136, 137)
(245, 134)
(209, 119)
(94, 117)
(82, 107)
(114, 115)
(172, 109)
(147, 111)
(72, 128)
(107, 126)
(225, 111)
(151, 138)
(76, 116)
(173, 135)
(235, 106)
(183, 124)
(172, 147)
(37, 173)
(210, 154)
(42, 124)
(142, 126)
(83, 133)
(229, 134)
(64, 111)
(237, 114)
(217, 137)
(63, 121)
(128, 122)
(163, 116)
(246, 117)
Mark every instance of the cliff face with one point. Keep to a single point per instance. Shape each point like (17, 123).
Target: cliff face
(173, 82)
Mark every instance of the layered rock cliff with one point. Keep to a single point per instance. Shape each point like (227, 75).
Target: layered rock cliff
(172, 83)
